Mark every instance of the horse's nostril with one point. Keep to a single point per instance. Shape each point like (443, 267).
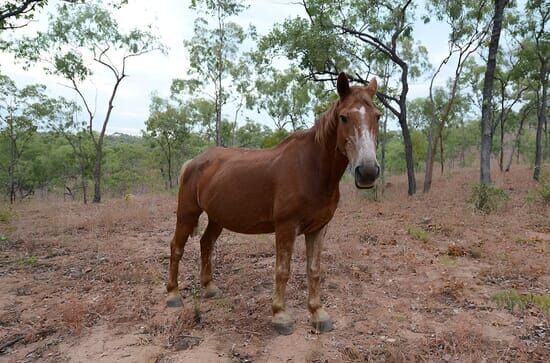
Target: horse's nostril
(377, 171)
(358, 171)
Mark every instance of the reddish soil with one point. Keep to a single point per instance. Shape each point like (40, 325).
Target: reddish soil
(405, 279)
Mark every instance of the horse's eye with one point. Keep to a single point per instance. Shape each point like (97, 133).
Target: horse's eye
(343, 118)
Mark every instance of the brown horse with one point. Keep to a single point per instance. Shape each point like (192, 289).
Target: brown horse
(291, 189)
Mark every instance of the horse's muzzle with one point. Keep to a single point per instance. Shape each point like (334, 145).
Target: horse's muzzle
(365, 176)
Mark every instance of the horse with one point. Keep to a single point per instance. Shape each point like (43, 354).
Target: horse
(290, 189)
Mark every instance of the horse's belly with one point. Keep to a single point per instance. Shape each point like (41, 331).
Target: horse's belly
(252, 228)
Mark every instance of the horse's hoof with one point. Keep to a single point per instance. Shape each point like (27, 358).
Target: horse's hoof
(174, 300)
(211, 291)
(321, 321)
(282, 323)
(323, 326)
(283, 329)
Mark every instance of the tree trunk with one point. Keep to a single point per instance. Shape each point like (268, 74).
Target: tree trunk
(405, 129)
(99, 144)
(384, 142)
(170, 184)
(97, 170)
(441, 156)
(84, 183)
(541, 120)
(429, 162)
(219, 114)
(486, 108)
(516, 142)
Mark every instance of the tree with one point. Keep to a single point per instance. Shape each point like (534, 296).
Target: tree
(339, 36)
(14, 10)
(468, 29)
(537, 17)
(486, 107)
(287, 98)
(167, 126)
(213, 52)
(19, 116)
(62, 119)
(77, 36)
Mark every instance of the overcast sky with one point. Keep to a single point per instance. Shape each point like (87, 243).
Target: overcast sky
(172, 21)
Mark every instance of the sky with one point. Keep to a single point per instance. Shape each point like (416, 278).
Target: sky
(172, 21)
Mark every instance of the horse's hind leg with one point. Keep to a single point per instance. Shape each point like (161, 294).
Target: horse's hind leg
(208, 241)
(184, 228)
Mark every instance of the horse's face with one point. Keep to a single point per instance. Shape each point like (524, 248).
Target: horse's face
(358, 130)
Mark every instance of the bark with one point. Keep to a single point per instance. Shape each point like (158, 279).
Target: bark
(170, 183)
(541, 119)
(99, 143)
(405, 130)
(84, 183)
(97, 170)
(486, 108)
(219, 89)
(517, 141)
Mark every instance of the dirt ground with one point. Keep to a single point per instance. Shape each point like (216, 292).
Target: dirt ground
(425, 279)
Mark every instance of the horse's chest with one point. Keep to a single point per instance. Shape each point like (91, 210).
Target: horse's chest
(317, 217)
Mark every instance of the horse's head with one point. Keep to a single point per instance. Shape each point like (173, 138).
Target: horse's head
(358, 130)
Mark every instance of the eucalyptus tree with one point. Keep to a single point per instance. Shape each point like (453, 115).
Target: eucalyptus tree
(19, 121)
(214, 52)
(62, 118)
(487, 102)
(468, 25)
(168, 127)
(354, 35)
(537, 17)
(13, 11)
(78, 37)
(510, 87)
(287, 97)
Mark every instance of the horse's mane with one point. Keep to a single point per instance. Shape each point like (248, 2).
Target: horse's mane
(326, 124)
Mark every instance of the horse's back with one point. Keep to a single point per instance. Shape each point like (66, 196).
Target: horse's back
(235, 187)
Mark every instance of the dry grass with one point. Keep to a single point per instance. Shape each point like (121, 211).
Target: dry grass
(71, 218)
(393, 298)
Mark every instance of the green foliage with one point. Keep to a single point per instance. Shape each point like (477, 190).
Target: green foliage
(541, 193)
(28, 261)
(511, 299)
(395, 155)
(488, 198)
(6, 215)
(287, 97)
(273, 139)
(16, 13)
(418, 233)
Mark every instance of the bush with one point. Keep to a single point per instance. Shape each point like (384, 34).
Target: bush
(488, 198)
(418, 233)
(511, 299)
(541, 194)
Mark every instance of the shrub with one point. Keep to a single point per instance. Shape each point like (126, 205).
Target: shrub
(511, 299)
(541, 193)
(488, 198)
(418, 233)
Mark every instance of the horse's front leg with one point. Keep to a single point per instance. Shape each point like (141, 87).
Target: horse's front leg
(314, 244)
(284, 242)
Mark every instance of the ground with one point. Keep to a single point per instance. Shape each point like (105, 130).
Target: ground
(426, 278)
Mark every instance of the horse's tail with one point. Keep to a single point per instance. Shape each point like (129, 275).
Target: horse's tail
(180, 181)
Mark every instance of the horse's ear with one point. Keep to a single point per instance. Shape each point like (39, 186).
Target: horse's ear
(372, 87)
(342, 85)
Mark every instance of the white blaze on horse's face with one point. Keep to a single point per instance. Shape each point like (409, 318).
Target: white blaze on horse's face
(366, 153)
(361, 145)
